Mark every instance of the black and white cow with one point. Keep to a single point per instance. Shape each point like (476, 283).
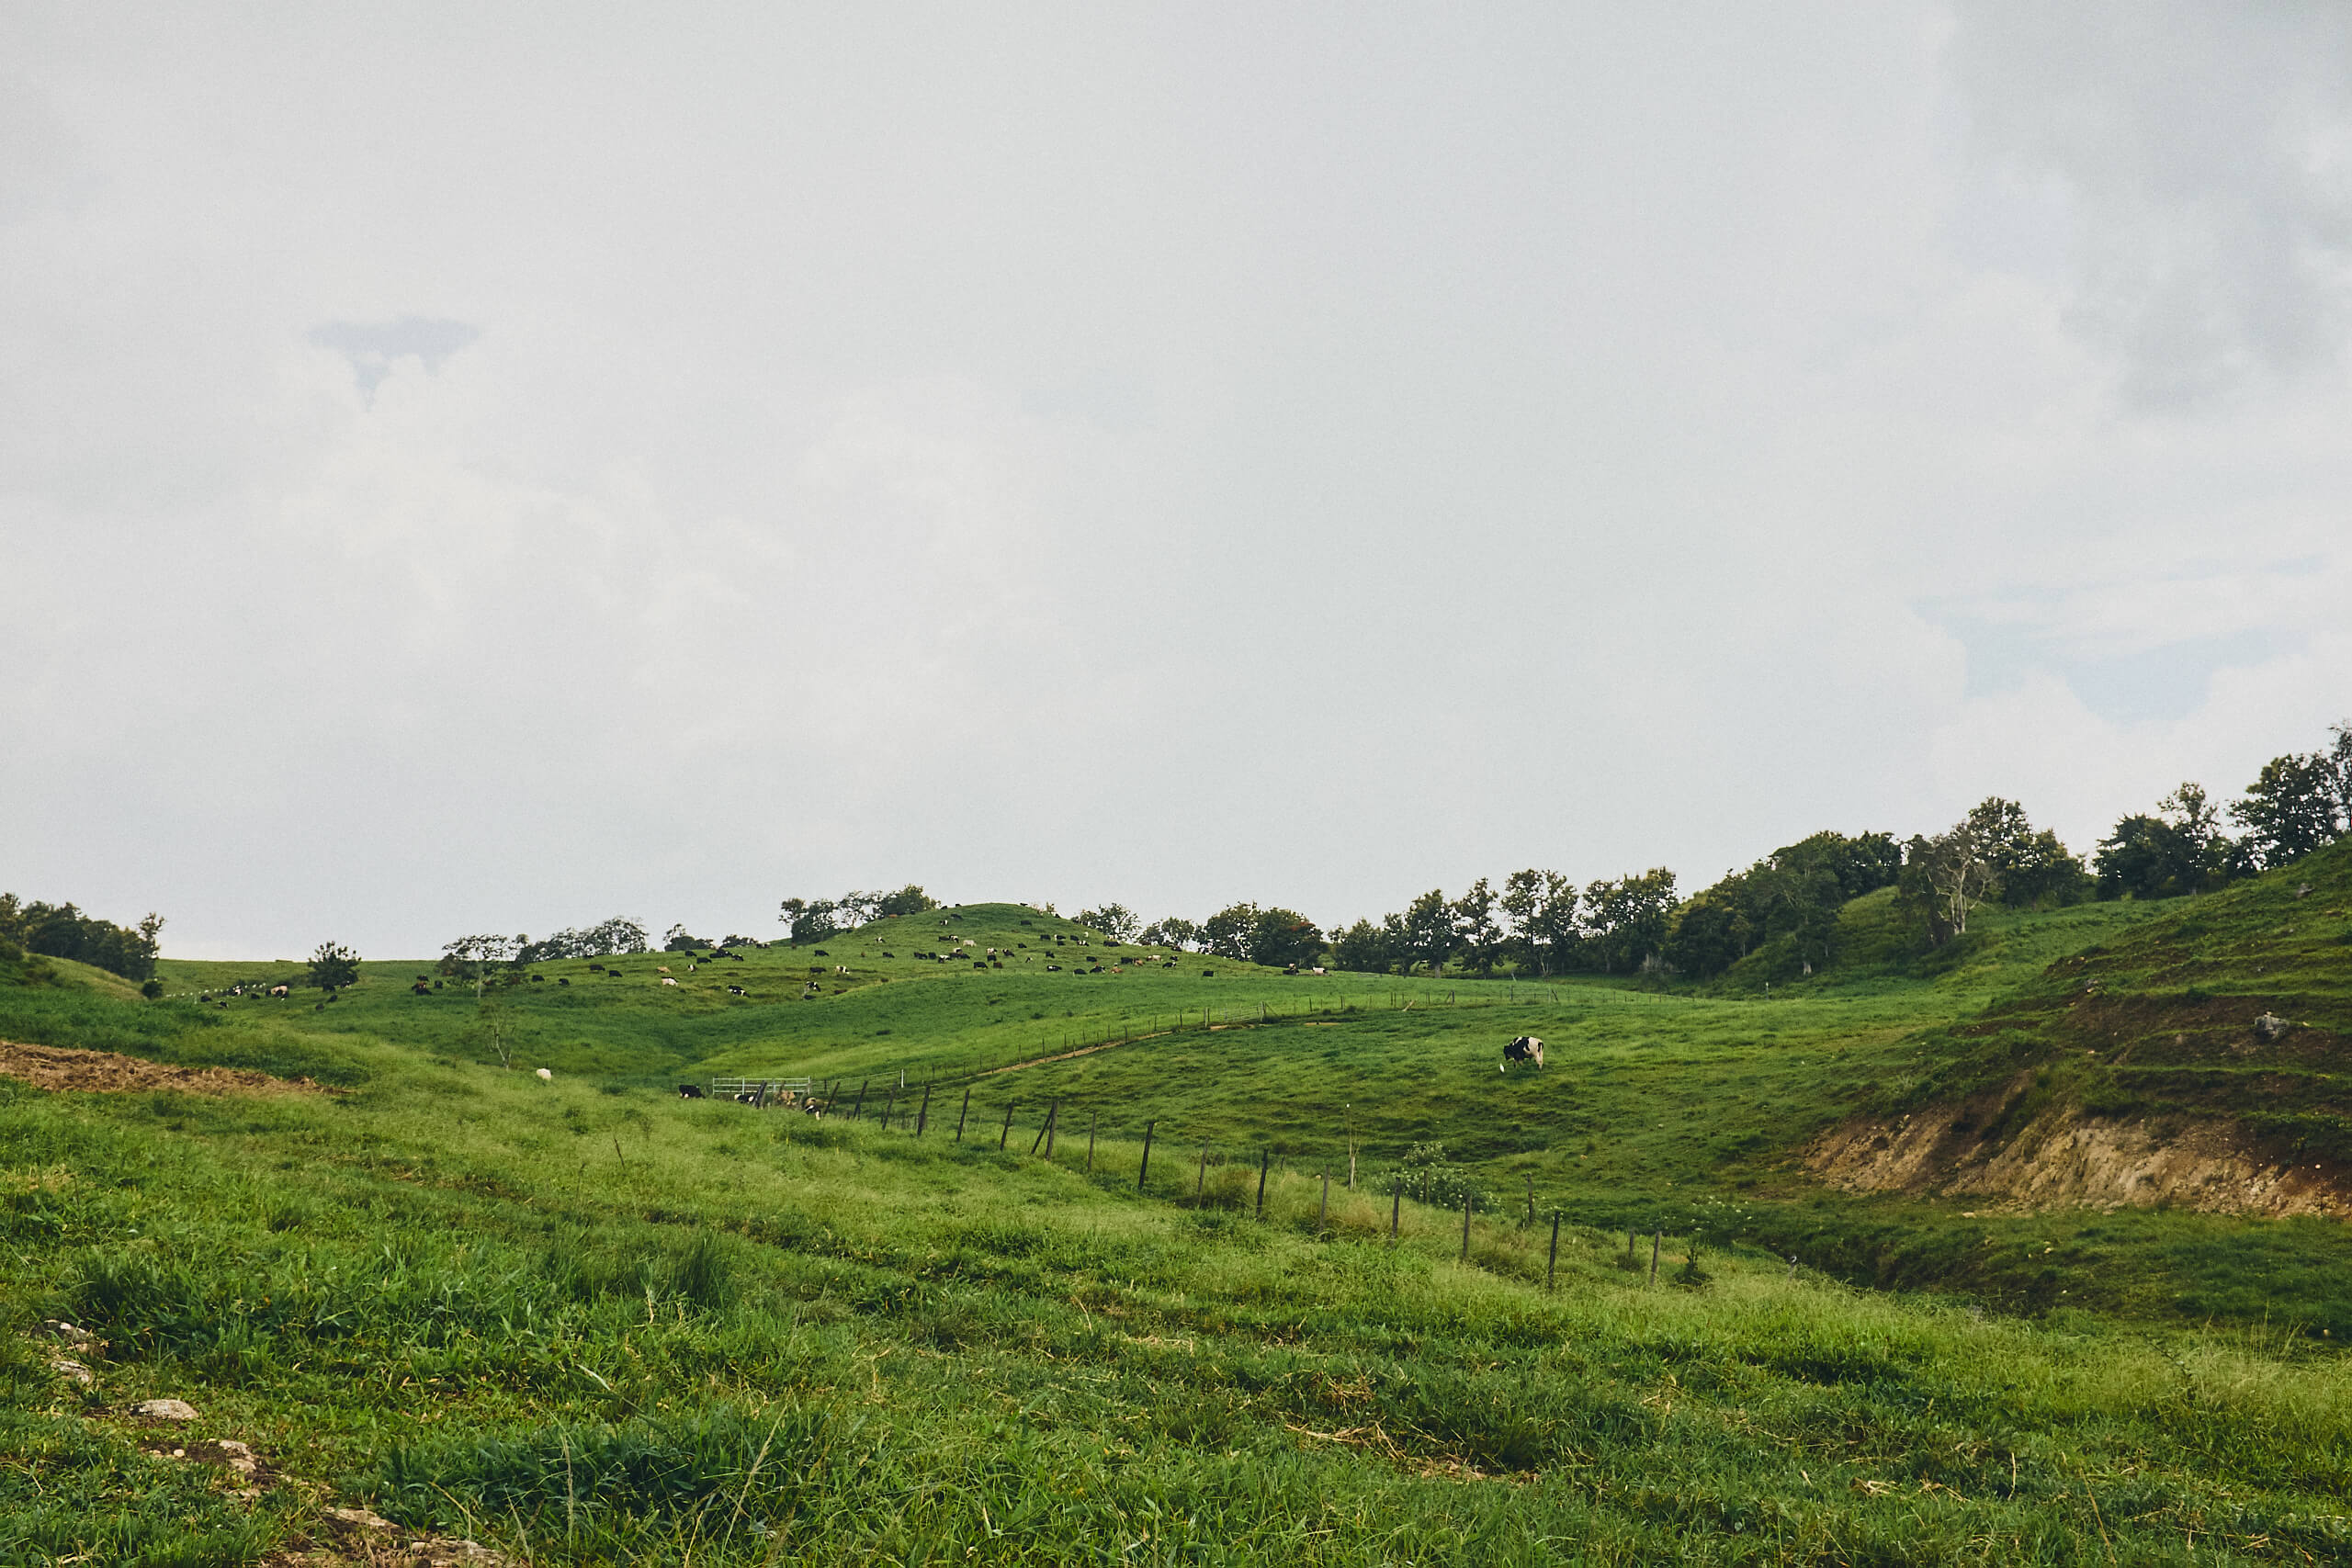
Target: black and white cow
(1526, 1048)
(691, 1091)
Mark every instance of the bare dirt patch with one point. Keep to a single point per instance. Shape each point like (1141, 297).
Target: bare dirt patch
(105, 1072)
(2065, 1159)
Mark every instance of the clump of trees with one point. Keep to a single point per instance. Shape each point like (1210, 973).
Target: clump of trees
(2299, 803)
(62, 931)
(1173, 931)
(467, 956)
(814, 919)
(1114, 920)
(1243, 932)
(1994, 855)
(1540, 923)
(1786, 903)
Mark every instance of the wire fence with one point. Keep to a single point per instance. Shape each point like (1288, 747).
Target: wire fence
(1419, 1195)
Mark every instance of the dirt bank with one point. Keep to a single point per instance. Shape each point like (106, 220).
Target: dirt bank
(2062, 1159)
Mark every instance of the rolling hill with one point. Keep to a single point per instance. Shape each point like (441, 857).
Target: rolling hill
(581, 1320)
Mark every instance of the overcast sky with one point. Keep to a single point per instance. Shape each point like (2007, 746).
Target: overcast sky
(482, 468)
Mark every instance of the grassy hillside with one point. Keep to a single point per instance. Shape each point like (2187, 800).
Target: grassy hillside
(2161, 1019)
(589, 1322)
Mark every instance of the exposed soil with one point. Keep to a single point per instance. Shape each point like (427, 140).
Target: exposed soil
(105, 1072)
(2064, 1158)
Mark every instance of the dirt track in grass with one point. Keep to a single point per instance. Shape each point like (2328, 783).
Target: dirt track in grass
(105, 1072)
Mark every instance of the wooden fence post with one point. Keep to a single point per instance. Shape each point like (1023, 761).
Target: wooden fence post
(888, 1104)
(1395, 1204)
(962, 1113)
(1323, 1214)
(1552, 1265)
(1007, 1131)
(1265, 1158)
(1657, 1240)
(1530, 1197)
(1201, 1181)
(860, 1100)
(1046, 1134)
(1092, 1117)
(922, 1117)
(1466, 1226)
(1145, 1169)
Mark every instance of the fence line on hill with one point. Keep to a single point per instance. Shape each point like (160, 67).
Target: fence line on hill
(1432, 1186)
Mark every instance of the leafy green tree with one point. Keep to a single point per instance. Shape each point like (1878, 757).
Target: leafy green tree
(2293, 808)
(1428, 932)
(1711, 932)
(810, 920)
(2179, 851)
(1281, 937)
(1226, 933)
(1627, 918)
(1541, 906)
(1946, 878)
(908, 900)
(2032, 869)
(334, 966)
(1114, 921)
(1365, 949)
(1480, 938)
(1173, 931)
(680, 939)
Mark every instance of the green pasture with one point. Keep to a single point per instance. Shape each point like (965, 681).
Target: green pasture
(592, 1327)
(588, 1322)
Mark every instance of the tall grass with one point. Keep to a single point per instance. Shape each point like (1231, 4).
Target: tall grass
(733, 1341)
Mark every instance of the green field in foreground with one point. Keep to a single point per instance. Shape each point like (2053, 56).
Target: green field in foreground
(585, 1322)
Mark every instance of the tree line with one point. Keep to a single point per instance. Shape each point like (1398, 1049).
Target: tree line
(62, 931)
(1780, 914)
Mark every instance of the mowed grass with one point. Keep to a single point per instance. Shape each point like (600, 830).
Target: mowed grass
(593, 1327)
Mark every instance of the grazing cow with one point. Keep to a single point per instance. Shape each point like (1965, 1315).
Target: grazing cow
(545, 1077)
(561, 981)
(691, 1091)
(668, 981)
(422, 989)
(1053, 969)
(279, 991)
(737, 991)
(1526, 1048)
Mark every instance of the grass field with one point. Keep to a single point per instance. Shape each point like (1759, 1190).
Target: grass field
(584, 1320)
